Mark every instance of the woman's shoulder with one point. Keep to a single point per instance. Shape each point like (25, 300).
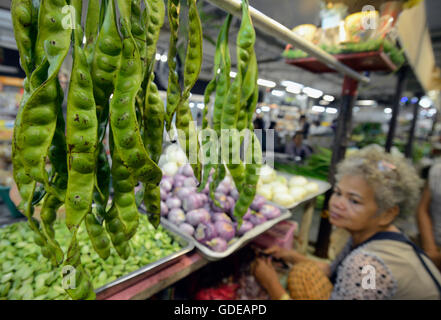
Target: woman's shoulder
(364, 275)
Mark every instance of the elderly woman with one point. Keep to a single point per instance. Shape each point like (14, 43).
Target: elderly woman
(372, 189)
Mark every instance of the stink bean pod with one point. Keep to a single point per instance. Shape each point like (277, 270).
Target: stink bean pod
(192, 68)
(91, 28)
(105, 63)
(173, 88)
(153, 139)
(83, 289)
(124, 195)
(156, 16)
(38, 119)
(81, 138)
(252, 167)
(125, 129)
(98, 236)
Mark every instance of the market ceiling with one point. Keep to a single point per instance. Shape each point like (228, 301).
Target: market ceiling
(271, 64)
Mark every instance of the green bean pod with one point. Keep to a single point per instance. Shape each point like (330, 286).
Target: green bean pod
(48, 215)
(24, 23)
(82, 288)
(192, 68)
(91, 28)
(211, 87)
(222, 88)
(248, 89)
(188, 137)
(105, 63)
(218, 176)
(156, 16)
(173, 88)
(102, 184)
(153, 139)
(115, 229)
(98, 236)
(125, 129)
(38, 120)
(193, 58)
(124, 195)
(154, 121)
(81, 138)
(138, 30)
(252, 167)
(232, 108)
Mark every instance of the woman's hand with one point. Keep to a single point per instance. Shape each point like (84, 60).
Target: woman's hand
(266, 275)
(281, 253)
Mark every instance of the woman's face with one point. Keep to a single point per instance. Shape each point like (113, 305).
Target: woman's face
(352, 205)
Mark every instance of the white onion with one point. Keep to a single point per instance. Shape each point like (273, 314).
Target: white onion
(170, 169)
(297, 181)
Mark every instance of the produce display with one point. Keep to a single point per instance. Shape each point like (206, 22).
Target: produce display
(211, 222)
(62, 161)
(282, 191)
(25, 274)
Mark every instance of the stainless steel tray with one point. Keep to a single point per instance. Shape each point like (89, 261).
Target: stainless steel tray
(237, 242)
(146, 271)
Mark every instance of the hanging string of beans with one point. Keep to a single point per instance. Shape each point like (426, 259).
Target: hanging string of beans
(61, 161)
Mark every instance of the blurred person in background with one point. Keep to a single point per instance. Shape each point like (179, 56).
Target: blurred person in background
(297, 149)
(429, 215)
(373, 188)
(304, 125)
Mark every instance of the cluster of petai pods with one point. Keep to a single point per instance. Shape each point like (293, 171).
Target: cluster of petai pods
(233, 109)
(90, 158)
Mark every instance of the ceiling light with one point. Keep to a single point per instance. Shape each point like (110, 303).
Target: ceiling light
(191, 104)
(265, 108)
(324, 103)
(425, 102)
(366, 102)
(164, 58)
(293, 89)
(258, 111)
(312, 93)
(328, 98)
(266, 83)
(387, 110)
(331, 110)
(233, 74)
(158, 56)
(287, 83)
(200, 105)
(277, 93)
(318, 109)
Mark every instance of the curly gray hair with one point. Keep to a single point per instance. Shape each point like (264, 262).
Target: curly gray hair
(394, 180)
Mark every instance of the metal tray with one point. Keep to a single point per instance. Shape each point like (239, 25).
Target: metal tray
(237, 243)
(126, 281)
(323, 187)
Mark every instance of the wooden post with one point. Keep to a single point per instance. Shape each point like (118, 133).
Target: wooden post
(305, 226)
(341, 140)
(401, 84)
